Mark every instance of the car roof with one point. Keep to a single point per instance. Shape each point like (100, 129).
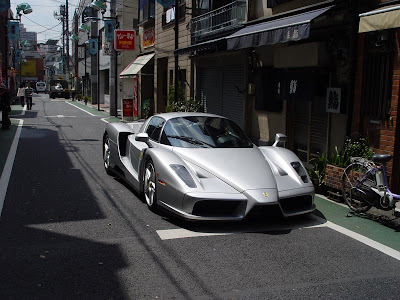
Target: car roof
(172, 115)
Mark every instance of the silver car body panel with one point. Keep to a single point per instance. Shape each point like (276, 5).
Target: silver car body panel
(229, 182)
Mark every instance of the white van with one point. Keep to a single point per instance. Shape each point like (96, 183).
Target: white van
(40, 87)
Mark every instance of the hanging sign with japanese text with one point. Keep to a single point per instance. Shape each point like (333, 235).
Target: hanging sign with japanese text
(109, 26)
(124, 40)
(93, 46)
(4, 5)
(13, 30)
(333, 100)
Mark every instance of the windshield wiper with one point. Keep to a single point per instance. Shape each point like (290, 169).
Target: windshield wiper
(190, 140)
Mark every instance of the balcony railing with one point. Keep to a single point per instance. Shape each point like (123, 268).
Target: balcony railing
(219, 20)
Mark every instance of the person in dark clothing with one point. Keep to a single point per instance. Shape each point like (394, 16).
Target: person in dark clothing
(28, 96)
(5, 106)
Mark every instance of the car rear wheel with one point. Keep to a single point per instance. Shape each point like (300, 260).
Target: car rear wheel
(106, 154)
(149, 186)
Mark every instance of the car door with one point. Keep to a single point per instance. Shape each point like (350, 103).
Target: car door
(153, 129)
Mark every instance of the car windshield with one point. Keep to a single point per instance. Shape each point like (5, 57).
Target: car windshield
(204, 132)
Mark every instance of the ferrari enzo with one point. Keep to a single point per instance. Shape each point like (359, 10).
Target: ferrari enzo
(203, 167)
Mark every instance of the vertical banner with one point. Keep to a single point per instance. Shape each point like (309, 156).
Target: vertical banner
(93, 46)
(135, 95)
(13, 30)
(127, 109)
(4, 5)
(109, 27)
(18, 55)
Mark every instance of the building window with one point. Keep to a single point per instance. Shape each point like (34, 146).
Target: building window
(168, 16)
(378, 73)
(146, 10)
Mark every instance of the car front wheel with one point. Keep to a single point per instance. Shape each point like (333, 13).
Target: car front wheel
(149, 186)
(106, 154)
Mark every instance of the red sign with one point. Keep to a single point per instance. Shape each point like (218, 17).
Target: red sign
(124, 40)
(135, 95)
(148, 38)
(127, 107)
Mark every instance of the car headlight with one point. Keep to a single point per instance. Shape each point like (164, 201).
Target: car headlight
(300, 170)
(184, 175)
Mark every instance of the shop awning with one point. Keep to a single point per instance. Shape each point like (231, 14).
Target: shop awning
(134, 67)
(219, 43)
(379, 19)
(292, 28)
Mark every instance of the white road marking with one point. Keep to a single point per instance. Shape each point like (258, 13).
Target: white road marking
(180, 233)
(5, 176)
(367, 241)
(105, 120)
(80, 108)
(60, 116)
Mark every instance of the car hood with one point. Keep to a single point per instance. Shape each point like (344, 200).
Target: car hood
(242, 168)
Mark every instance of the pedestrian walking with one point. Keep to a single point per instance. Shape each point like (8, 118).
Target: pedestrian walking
(28, 96)
(5, 106)
(21, 94)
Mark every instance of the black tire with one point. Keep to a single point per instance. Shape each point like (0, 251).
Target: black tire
(356, 187)
(149, 185)
(106, 154)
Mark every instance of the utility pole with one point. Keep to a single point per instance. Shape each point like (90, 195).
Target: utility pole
(62, 13)
(67, 37)
(176, 48)
(113, 68)
(94, 69)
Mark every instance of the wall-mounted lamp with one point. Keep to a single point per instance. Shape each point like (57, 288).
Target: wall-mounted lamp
(74, 37)
(84, 27)
(99, 5)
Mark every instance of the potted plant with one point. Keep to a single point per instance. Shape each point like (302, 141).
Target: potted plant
(355, 146)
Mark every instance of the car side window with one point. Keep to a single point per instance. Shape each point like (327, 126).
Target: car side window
(154, 128)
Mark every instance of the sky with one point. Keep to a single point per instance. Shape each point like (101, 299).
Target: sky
(42, 20)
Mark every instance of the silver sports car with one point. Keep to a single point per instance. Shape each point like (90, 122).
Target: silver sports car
(203, 167)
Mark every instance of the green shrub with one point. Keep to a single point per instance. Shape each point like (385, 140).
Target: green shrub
(181, 104)
(317, 172)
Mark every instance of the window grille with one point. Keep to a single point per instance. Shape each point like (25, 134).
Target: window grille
(377, 76)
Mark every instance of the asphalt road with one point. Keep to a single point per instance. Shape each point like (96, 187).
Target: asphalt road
(69, 231)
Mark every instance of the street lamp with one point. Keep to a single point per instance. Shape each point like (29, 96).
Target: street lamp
(101, 5)
(94, 44)
(23, 8)
(74, 37)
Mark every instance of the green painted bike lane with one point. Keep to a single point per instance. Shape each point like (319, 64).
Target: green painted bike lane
(369, 228)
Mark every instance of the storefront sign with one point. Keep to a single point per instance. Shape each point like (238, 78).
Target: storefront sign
(148, 38)
(333, 100)
(135, 95)
(124, 40)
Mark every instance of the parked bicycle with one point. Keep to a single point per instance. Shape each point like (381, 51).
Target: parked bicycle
(365, 184)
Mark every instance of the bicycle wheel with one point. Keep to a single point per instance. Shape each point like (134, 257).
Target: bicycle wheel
(356, 186)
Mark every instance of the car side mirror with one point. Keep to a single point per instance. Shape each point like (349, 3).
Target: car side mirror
(279, 138)
(143, 137)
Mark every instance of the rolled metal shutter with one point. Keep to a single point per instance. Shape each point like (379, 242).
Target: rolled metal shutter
(210, 91)
(234, 90)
